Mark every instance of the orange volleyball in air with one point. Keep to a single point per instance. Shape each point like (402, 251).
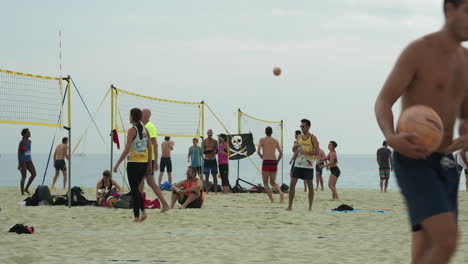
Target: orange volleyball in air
(425, 123)
(277, 71)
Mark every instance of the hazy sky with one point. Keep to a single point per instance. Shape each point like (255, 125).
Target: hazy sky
(335, 56)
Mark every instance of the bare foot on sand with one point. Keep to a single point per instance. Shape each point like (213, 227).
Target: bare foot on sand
(143, 217)
(136, 219)
(289, 209)
(282, 198)
(165, 208)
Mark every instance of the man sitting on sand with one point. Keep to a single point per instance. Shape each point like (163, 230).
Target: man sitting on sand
(188, 192)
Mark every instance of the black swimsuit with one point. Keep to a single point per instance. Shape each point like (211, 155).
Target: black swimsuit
(103, 186)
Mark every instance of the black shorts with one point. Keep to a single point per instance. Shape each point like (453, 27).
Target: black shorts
(195, 204)
(210, 166)
(430, 186)
(224, 171)
(318, 169)
(60, 165)
(303, 173)
(335, 171)
(165, 163)
(199, 170)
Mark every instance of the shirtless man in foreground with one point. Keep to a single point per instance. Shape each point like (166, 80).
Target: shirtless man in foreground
(432, 71)
(267, 151)
(61, 152)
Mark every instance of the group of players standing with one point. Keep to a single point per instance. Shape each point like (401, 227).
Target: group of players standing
(307, 157)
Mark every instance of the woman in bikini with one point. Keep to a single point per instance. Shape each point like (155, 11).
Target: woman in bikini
(106, 187)
(333, 167)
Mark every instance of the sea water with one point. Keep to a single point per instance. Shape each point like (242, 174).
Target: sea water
(357, 171)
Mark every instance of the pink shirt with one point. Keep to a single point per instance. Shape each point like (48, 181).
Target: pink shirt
(222, 159)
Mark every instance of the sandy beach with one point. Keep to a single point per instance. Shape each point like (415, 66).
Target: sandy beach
(235, 228)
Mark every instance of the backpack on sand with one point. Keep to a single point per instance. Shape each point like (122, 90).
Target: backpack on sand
(77, 197)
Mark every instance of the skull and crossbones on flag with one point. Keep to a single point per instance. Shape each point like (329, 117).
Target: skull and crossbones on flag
(240, 146)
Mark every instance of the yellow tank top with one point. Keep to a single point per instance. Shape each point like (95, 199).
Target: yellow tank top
(139, 150)
(305, 161)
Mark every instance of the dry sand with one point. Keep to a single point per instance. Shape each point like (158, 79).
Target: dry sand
(234, 228)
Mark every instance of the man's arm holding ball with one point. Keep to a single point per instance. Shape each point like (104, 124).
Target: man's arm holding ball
(396, 84)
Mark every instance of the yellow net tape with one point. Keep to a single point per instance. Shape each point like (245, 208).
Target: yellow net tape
(258, 119)
(227, 131)
(172, 118)
(30, 75)
(30, 99)
(157, 99)
(256, 126)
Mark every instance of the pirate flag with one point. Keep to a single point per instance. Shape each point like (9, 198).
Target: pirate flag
(240, 146)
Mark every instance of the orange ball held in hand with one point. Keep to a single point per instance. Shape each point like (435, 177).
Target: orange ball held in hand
(425, 123)
(277, 71)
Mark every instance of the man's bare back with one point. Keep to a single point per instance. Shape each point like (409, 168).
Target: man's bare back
(61, 152)
(210, 145)
(321, 155)
(269, 146)
(438, 77)
(166, 148)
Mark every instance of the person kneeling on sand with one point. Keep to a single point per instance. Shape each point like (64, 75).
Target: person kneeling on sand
(106, 187)
(189, 192)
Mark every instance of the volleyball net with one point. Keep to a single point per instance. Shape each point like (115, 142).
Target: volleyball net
(171, 118)
(256, 126)
(30, 99)
(250, 124)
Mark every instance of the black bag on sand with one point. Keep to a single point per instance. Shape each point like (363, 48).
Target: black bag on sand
(21, 229)
(43, 193)
(126, 197)
(343, 207)
(77, 197)
(32, 201)
(59, 200)
(212, 188)
(123, 203)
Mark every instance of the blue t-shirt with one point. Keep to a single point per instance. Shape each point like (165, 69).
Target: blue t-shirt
(195, 157)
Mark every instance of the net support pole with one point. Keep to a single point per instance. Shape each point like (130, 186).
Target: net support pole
(68, 79)
(113, 91)
(282, 149)
(238, 131)
(202, 138)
